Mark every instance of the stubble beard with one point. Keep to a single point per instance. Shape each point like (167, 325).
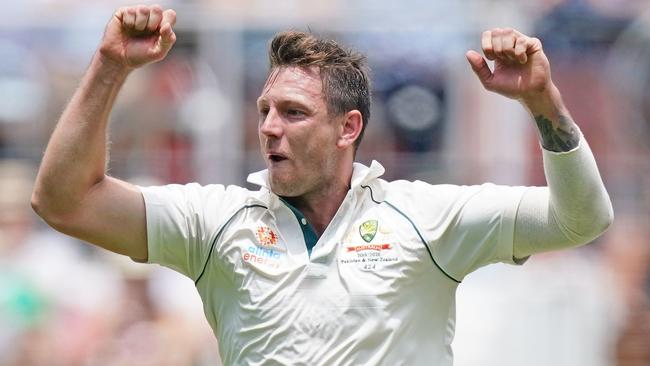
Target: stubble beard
(284, 189)
(296, 186)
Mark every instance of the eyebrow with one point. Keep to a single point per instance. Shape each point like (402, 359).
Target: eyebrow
(286, 100)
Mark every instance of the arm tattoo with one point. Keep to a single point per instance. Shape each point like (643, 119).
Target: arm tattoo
(564, 137)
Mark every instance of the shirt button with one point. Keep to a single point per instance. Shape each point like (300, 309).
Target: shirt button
(303, 221)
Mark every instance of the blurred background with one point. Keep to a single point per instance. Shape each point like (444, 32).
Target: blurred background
(193, 118)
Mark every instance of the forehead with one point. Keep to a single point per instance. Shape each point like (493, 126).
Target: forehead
(293, 82)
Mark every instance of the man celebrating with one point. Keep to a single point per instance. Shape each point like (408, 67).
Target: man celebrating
(325, 264)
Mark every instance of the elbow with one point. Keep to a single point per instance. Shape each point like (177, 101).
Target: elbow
(40, 207)
(597, 224)
(47, 211)
(606, 220)
(584, 226)
(37, 204)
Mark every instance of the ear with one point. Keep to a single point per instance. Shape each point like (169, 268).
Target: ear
(351, 124)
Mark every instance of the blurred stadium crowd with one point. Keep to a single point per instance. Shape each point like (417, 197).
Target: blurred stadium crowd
(193, 118)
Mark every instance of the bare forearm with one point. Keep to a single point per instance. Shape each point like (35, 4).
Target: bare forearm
(557, 131)
(75, 158)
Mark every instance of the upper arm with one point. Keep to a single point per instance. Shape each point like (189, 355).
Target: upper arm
(183, 222)
(480, 229)
(466, 227)
(112, 216)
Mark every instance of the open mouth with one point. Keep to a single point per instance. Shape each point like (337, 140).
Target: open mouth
(276, 158)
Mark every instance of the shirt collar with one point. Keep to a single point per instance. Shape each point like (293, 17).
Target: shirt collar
(361, 174)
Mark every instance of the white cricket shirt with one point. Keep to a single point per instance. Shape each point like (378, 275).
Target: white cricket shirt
(370, 293)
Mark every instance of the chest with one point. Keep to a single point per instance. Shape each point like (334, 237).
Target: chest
(368, 283)
(367, 250)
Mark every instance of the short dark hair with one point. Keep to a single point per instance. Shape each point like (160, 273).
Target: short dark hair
(344, 72)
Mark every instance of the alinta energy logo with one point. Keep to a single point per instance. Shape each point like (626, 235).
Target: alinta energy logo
(266, 236)
(263, 254)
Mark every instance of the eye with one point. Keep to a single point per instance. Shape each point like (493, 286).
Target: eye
(291, 112)
(263, 112)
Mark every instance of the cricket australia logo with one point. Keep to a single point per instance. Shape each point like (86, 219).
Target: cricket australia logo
(368, 255)
(368, 230)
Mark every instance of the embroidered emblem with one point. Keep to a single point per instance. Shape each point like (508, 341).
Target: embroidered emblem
(368, 230)
(266, 236)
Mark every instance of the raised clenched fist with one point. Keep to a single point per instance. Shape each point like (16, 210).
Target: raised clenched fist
(521, 69)
(138, 35)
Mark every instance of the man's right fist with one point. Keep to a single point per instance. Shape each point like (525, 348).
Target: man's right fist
(138, 35)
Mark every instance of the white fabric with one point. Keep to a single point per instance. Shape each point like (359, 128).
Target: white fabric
(374, 301)
(553, 217)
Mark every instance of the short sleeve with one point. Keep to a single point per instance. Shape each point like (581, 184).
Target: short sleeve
(182, 221)
(465, 227)
(480, 229)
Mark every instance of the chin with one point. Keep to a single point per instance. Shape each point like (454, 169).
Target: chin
(284, 187)
(284, 191)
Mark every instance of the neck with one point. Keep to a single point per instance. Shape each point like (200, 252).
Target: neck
(320, 206)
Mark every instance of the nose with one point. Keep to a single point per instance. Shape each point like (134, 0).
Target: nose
(270, 125)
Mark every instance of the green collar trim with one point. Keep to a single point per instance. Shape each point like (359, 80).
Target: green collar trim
(308, 232)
